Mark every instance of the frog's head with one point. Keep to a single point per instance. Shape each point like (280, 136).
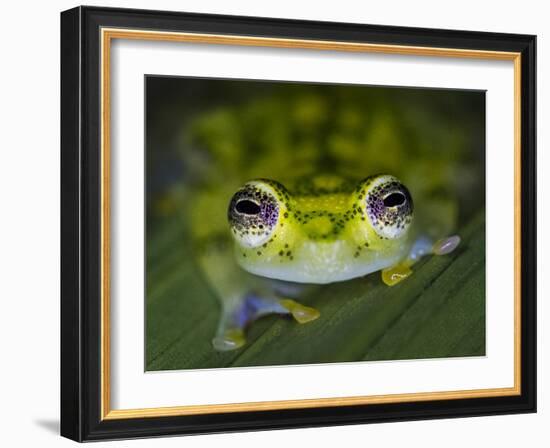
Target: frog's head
(331, 230)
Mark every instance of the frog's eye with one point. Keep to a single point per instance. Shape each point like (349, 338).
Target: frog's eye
(253, 213)
(388, 205)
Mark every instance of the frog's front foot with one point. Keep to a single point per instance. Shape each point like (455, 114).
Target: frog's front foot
(422, 247)
(395, 274)
(231, 332)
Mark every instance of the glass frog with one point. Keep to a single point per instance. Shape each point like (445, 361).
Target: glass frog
(316, 230)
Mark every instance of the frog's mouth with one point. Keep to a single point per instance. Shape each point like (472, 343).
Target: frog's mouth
(320, 264)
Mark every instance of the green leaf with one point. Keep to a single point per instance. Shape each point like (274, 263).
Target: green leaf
(439, 311)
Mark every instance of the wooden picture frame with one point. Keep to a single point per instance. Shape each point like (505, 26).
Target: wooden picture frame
(86, 36)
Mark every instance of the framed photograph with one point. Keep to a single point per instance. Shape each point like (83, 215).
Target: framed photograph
(274, 224)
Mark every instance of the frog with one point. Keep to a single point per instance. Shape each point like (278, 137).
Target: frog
(306, 187)
(314, 230)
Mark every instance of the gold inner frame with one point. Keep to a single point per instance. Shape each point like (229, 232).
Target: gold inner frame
(107, 35)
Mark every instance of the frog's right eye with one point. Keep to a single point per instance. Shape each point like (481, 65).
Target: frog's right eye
(253, 213)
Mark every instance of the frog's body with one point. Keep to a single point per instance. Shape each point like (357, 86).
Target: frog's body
(322, 233)
(315, 230)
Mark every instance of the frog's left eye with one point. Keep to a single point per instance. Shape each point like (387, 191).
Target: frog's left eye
(253, 213)
(388, 205)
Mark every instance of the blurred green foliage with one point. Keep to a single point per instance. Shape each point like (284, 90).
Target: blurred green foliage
(207, 137)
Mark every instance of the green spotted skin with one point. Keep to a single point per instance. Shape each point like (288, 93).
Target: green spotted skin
(320, 229)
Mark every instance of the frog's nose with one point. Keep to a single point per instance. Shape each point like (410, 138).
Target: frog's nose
(318, 227)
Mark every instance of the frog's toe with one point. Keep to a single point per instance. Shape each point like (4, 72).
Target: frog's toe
(231, 339)
(445, 246)
(395, 274)
(301, 313)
